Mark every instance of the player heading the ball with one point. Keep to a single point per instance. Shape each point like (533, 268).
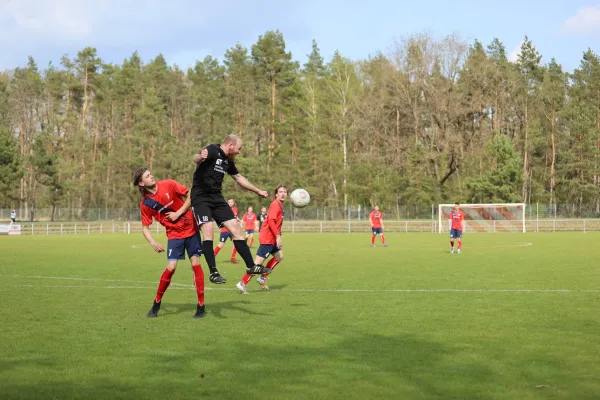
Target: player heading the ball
(213, 162)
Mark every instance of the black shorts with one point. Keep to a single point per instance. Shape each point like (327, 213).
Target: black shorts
(212, 206)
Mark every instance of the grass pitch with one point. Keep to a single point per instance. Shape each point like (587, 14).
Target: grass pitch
(513, 317)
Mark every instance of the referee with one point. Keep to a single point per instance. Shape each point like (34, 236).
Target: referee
(208, 204)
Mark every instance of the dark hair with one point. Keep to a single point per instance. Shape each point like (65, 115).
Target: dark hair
(281, 185)
(457, 204)
(137, 177)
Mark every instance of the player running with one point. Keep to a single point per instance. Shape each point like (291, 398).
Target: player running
(225, 234)
(270, 240)
(376, 218)
(250, 223)
(168, 202)
(213, 162)
(456, 224)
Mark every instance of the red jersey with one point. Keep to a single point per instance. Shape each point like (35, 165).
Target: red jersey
(457, 218)
(272, 225)
(249, 219)
(376, 218)
(168, 199)
(235, 213)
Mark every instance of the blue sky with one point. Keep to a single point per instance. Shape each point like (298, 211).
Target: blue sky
(187, 30)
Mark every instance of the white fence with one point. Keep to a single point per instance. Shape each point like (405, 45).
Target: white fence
(92, 228)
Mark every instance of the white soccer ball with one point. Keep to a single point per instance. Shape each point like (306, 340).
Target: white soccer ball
(300, 198)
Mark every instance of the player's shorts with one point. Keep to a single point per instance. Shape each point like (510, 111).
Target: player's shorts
(176, 248)
(13, 219)
(265, 250)
(455, 233)
(377, 230)
(249, 231)
(225, 236)
(211, 206)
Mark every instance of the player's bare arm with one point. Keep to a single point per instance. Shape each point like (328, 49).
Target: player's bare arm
(155, 245)
(200, 157)
(243, 182)
(187, 203)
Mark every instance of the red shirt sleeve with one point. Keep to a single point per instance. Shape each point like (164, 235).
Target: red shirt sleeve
(178, 188)
(146, 215)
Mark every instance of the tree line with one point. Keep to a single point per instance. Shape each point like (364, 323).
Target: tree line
(433, 120)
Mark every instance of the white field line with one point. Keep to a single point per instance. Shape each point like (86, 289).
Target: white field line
(191, 287)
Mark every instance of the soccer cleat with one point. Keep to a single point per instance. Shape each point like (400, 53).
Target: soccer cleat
(372, 245)
(153, 313)
(458, 251)
(385, 245)
(262, 282)
(200, 312)
(451, 250)
(234, 261)
(215, 277)
(257, 270)
(241, 287)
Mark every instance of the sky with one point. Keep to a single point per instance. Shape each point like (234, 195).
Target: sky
(188, 30)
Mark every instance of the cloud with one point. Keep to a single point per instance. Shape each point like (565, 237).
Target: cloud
(47, 29)
(585, 22)
(513, 56)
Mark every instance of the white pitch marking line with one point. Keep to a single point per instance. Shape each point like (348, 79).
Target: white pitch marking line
(334, 290)
(139, 246)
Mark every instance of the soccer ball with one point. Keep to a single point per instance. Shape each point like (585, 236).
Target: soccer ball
(300, 198)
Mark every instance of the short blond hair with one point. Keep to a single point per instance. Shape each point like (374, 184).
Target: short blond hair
(231, 139)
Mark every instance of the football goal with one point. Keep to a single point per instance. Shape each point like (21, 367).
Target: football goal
(508, 217)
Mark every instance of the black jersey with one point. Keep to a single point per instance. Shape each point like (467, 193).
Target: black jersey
(261, 218)
(209, 174)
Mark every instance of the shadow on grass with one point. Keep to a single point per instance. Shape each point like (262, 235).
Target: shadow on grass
(212, 309)
(341, 365)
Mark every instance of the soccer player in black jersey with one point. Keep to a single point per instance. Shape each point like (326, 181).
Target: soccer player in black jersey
(213, 162)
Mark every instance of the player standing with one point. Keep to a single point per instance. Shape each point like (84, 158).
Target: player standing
(262, 217)
(376, 218)
(250, 223)
(13, 216)
(456, 224)
(160, 200)
(270, 240)
(225, 234)
(213, 162)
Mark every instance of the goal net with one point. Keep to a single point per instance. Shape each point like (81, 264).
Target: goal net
(486, 217)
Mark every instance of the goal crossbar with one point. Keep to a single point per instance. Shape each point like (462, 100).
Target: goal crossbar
(519, 215)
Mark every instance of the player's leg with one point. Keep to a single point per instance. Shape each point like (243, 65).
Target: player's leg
(223, 237)
(194, 251)
(233, 252)
(382, 237)
(373, 237)
(451, 240)
(175, 252)
(273, 262)
(251, 238)
(203, 213)
(224, 215)
(261, 254)
(459, 241)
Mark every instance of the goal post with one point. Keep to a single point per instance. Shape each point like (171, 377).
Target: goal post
(494, 217)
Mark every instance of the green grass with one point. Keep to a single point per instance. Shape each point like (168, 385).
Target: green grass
(489, 323)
